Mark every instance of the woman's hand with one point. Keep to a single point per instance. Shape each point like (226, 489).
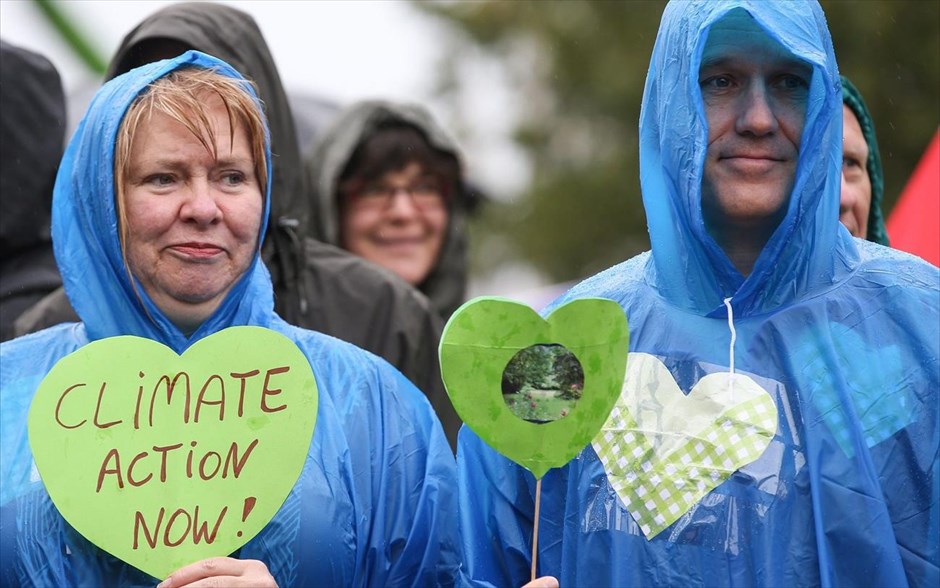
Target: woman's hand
(543, 582)
(222, 572)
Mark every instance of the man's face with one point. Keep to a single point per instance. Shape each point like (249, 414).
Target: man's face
(855, 201)
(755, 94)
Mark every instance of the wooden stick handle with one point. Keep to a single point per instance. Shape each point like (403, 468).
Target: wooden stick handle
(535, 528)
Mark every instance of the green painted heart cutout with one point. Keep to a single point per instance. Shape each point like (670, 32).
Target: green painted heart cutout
(663, 451)
(163, 460)
(486, 333)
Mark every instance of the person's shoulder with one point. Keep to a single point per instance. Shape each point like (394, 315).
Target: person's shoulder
(347, 271)
(318, 346)
(616, 283)
(52, 309)
(349, 366)
(26, 360)
(889, 266)
(51, 342)
(367, 392)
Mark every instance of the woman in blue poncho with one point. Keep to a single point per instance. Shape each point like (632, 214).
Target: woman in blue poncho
(374, 503)
(778, 423)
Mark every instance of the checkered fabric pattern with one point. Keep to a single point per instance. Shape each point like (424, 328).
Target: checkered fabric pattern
(658, 489)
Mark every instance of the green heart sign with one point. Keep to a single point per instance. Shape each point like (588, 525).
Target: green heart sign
(163, 460)
(483, 336)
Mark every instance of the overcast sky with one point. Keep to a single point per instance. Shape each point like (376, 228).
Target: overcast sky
(341, 50)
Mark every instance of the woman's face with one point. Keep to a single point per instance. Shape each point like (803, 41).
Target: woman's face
(193, 219)
(398, 222)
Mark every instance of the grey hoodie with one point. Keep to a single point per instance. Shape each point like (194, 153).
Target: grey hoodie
(32, 132)
(446, 285)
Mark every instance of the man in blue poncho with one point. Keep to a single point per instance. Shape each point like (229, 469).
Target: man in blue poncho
(778, 423)
(157, 223)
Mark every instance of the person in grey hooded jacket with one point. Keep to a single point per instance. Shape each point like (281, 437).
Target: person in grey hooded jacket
(317, 286)
(364, 147)
(32, 133)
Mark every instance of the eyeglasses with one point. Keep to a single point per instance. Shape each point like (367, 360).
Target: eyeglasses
(426, 194)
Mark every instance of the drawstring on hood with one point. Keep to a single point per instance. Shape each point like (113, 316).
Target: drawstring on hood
(734, 335)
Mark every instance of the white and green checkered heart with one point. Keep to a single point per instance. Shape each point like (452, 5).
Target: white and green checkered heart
(664, 451)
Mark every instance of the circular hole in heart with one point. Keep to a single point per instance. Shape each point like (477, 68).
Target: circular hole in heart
(542, 383)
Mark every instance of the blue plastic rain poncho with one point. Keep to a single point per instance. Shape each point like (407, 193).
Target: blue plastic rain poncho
(374, 504)
(840, 334)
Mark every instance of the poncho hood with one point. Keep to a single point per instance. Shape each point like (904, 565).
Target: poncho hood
(808, 251)
(447, 282)
(234, 37)
(852, 98)
(85, 228)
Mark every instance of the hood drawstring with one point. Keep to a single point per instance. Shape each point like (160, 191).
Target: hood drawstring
(734, 336)
(289, 227)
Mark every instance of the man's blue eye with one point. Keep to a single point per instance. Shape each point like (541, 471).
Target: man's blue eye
(793, 82)
(717, 82)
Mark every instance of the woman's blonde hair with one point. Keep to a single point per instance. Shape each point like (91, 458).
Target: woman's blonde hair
(181, 95)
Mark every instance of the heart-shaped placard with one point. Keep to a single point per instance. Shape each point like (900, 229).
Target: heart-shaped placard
(663, 451)
(486, 333)
(163, 460)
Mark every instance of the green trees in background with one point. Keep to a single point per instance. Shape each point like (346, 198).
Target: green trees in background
(580, 66)
(530, 368)
(544, 367)
(542, 383)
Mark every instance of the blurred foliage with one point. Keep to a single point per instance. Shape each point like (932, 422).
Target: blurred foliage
(544, 367)
(579, 68)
